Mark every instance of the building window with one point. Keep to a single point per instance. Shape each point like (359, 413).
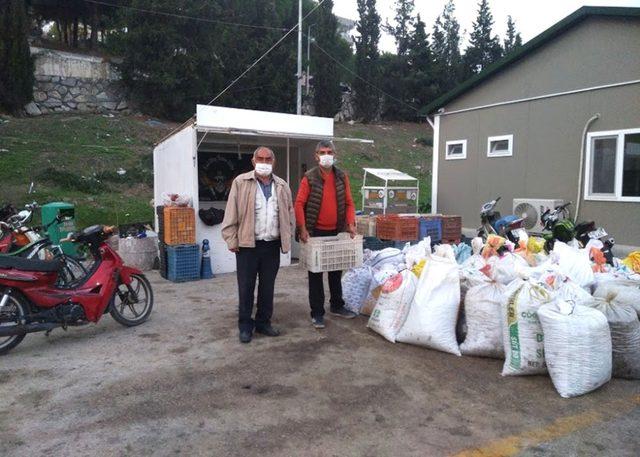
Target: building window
(613, 166)
(456, 150)
(500, 146)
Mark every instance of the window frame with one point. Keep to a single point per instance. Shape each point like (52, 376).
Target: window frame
(618, 177)
(462, 156)
(508, 153)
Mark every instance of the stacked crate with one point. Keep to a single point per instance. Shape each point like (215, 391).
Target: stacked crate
(451, 229)
(374, 244)
(430, 225)
(183, 262)
(178, 241)
(162, 247)
(366, 226)
(397, 228)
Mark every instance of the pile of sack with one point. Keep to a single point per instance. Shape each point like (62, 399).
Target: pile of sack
(564, 313)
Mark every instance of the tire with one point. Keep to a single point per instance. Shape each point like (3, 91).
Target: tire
(117, 310)
(71, 272)
(19, 309)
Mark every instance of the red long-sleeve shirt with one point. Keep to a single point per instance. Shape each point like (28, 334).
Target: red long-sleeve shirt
(328, 216)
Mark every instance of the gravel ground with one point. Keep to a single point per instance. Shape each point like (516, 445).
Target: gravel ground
(181, 384)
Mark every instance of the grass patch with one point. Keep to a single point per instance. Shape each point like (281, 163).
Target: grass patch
(76, 159)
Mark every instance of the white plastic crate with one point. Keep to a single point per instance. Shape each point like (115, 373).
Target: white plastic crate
(331, 253)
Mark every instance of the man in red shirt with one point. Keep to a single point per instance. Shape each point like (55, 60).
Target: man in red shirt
(324, 207)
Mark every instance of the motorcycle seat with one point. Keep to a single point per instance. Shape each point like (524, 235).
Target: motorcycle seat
(20, 263)
(504, 222)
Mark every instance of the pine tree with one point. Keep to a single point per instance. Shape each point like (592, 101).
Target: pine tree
(445, 47)
(327, 96)
(16, 63)
(401, 30)
(421, 80)
(169, 64)
(513, 39)
(484, 49)
(367, 61)
(396, 68)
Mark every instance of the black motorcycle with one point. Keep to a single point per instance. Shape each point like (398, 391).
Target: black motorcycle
(586, 231)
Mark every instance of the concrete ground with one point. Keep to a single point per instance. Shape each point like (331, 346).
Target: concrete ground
(181, 384)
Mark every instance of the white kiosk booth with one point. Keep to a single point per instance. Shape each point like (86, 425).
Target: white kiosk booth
(202, 159)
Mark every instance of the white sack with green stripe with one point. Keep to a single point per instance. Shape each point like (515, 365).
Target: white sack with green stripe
(521, 330)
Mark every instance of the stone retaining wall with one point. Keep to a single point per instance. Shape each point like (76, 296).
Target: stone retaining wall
(66, 82)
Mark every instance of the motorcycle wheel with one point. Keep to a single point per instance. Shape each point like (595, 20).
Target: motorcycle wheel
(127, 312)
(71, 272)
(12, 314)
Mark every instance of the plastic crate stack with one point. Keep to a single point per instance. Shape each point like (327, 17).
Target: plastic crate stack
(451, 229)
(332, 253)
(178, 235)
(183, 262)
(374, 244)
(162, 247)
(397, 228)
(366, 226)
(431, 225)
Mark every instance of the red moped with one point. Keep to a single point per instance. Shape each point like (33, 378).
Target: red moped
(31, 301)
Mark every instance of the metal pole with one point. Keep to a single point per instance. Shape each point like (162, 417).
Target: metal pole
(299, 104)
(308, 58)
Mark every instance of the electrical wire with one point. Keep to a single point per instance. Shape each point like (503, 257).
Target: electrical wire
(184, 16)
(259, 59)
(362, 79)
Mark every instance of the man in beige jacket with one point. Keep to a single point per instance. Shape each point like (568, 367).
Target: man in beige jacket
(258, 224)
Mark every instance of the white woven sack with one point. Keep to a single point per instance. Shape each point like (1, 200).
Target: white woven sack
(577, 347)
(625, 335)
(574, 263)
(521, 330)
(564, 288)
(432, 319)
(385, 256)
(507, 268)
(393, 305)
(417, 253)
(483, 312)
(355, 287)
(620, 292)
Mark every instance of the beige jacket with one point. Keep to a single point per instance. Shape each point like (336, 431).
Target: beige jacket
(238, 226)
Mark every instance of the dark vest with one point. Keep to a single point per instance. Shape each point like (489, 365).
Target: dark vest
(312, 208)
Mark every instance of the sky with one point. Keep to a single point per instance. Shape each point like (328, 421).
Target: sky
(531, 16)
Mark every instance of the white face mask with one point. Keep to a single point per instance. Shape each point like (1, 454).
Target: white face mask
(326, 160)
(264, 169)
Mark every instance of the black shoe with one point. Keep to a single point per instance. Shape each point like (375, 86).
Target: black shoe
(268, 330)
(317, 322)
(343, 312)
(245, 336)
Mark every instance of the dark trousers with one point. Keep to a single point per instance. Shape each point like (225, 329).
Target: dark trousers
(262, 261)
(316, 285)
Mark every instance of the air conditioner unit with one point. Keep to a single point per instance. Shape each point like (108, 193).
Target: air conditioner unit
(530, 209)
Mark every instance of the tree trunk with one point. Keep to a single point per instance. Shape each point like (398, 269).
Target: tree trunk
(59, 30)
(66, 32)
(75, 32)
(94, 26)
